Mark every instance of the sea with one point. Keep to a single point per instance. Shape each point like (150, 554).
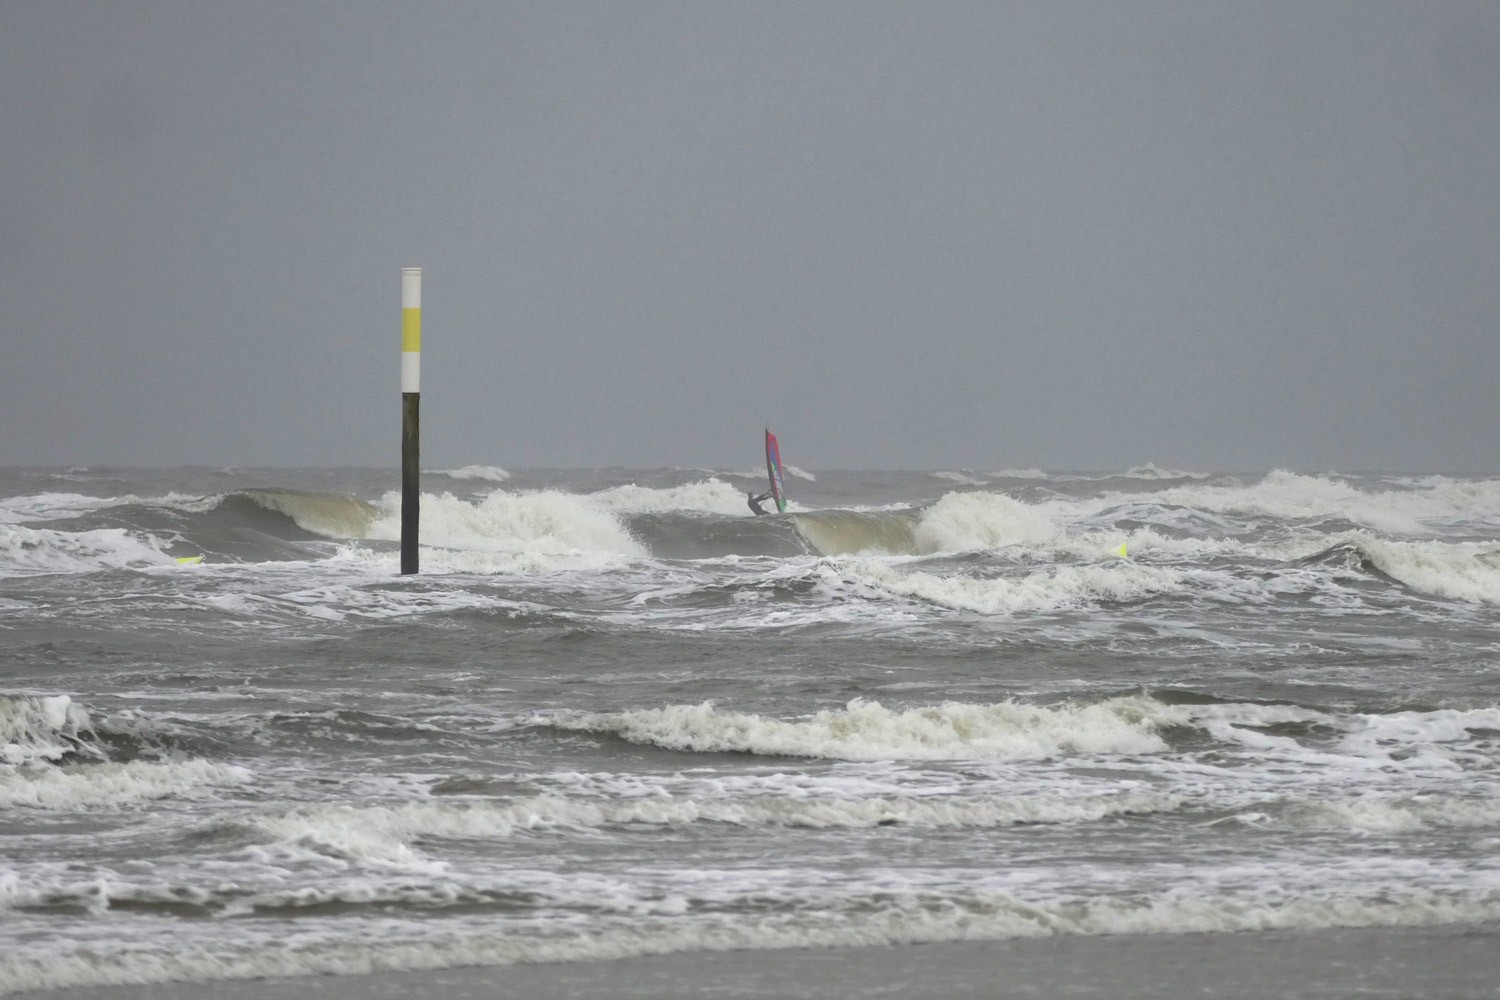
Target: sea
(615, 714)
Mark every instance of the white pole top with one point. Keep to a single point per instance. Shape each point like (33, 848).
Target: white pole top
(411, 288)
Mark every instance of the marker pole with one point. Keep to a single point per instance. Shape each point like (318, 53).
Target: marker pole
(411, 396)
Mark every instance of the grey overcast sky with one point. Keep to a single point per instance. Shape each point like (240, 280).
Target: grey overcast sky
(1215, 235)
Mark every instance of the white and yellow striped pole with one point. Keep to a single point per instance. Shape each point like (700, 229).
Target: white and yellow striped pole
(411, 395)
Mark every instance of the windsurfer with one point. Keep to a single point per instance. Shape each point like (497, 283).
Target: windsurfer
(756, 501)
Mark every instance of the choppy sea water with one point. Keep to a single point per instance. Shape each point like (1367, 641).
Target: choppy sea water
(617, 715)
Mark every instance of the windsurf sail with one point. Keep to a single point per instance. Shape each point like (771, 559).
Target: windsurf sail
(773, 469)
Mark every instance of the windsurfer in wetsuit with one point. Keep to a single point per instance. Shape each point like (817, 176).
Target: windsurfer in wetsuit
(756, 501)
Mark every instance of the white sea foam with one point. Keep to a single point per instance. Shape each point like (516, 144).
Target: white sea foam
(1460, 500)
(231, 900)
(961, 522)
(1463, 571)
(110, 785)
(1363, 782)
(487, 473)
(369, 836)
(1048, 589)
(1437, 748)
(341, 600)
(95, 894)
(892, 919)
(385, 834)
(42, 729)
(1147, 541)
(1436, 740)
(542, 560)
(709, 495)
(1294, 496)
(1390, 814)
(1255, 715)
(1401, 742)
(48, 506)
(868, 731)
(42, 551)
(981, 520)
(54, 506)
(1019, 474)
(547, 523)
(792, 470)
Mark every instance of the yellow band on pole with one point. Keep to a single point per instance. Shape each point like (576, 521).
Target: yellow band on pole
(411, 330)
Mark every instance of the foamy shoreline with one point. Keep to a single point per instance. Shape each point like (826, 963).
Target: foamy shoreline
(1456, 962)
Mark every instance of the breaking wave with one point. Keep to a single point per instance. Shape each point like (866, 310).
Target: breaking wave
(963, 522)
(385, 834)
(851, 532)
(868, 731)
(709, 496)
(1049, 589)
(526, 530)
(38, 551)
(1461, 571)
(332, 515)
(1297, 497)
(51, 729)
(108, 785)
(957, 522)
(546, 523)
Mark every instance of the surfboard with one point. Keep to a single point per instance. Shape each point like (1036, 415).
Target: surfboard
(773, 469)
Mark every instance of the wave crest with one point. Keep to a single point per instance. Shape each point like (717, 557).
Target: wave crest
(868, 731)
(1046, 590)
(333, 515)
(963, 522)
(33, 730)
(545, 522)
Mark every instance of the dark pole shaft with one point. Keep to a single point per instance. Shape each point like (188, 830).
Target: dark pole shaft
(411, 488)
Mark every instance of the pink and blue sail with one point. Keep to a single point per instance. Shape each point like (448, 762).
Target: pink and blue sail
(773, 469)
